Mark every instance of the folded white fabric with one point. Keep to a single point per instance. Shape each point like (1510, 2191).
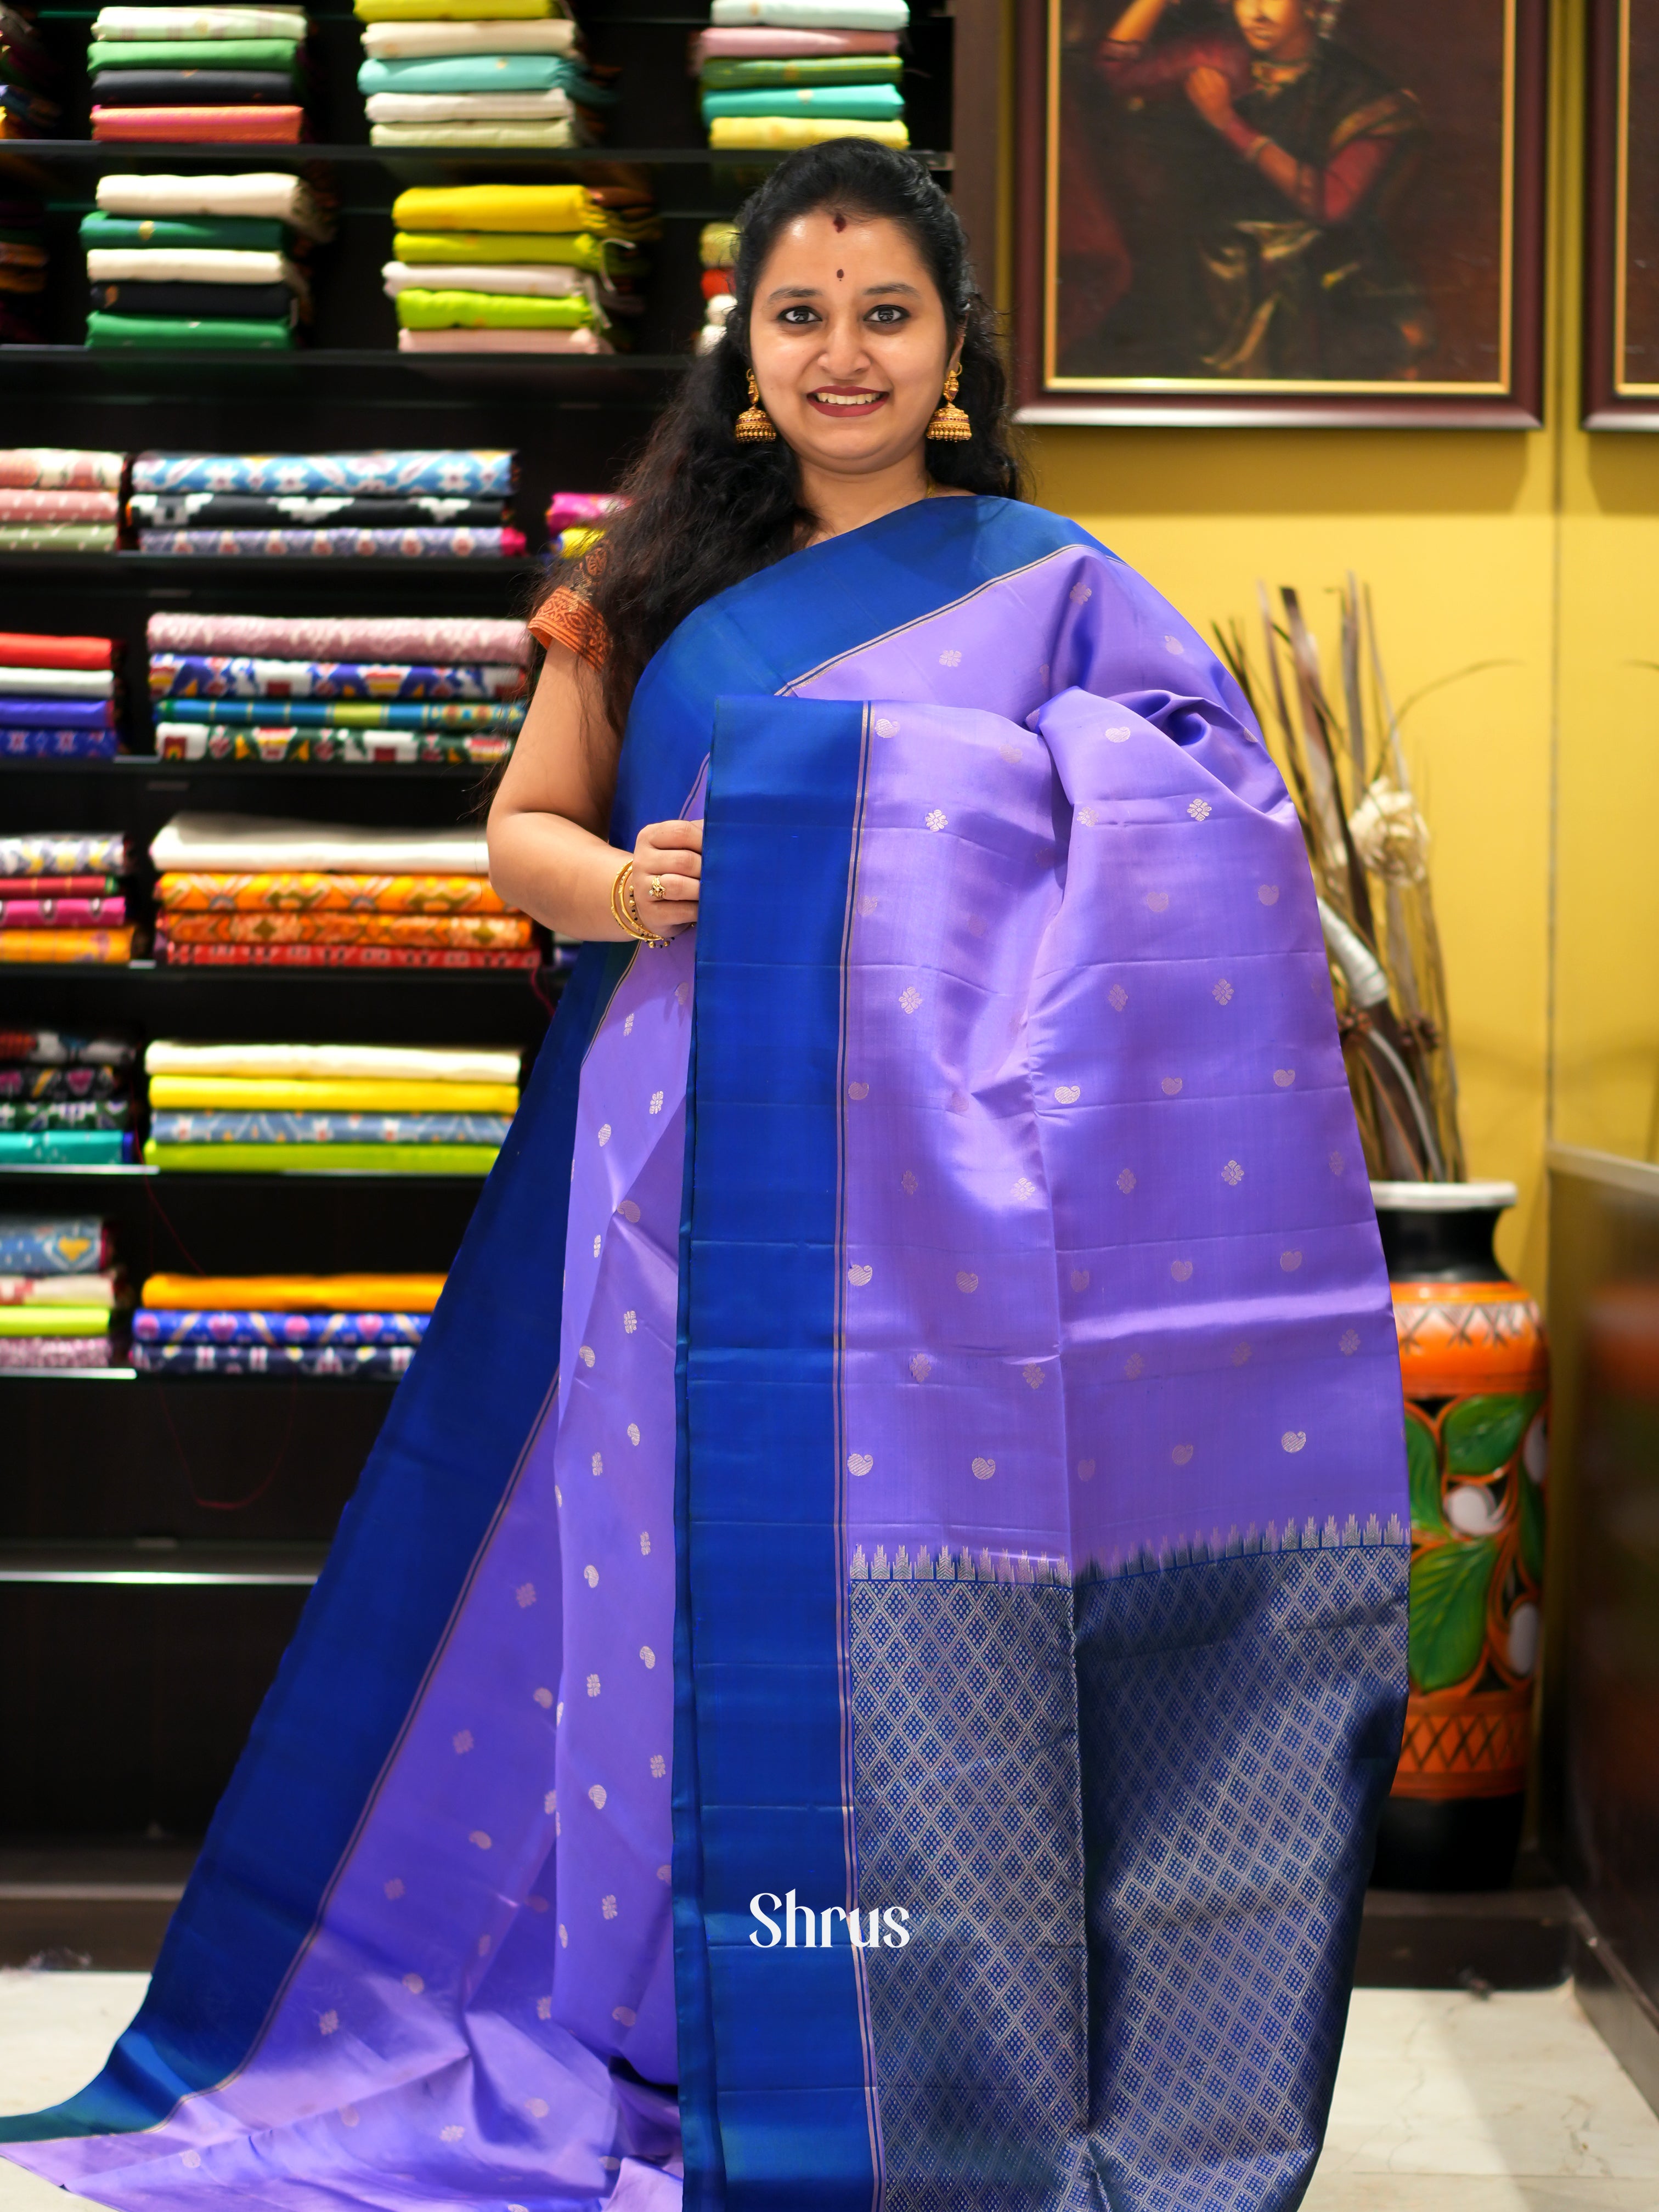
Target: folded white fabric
(556, 131)
(240, 843)
(392, 1063)
(199, 23)
(191, 265)
(466, 106)
(257, 191)
(502, 341)
(100, 1290)
(63, 683)
(815, 14)
(402, 42)
(534, 281)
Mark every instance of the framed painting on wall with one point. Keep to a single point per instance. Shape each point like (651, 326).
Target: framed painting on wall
(1621, 249)
(1281, 213)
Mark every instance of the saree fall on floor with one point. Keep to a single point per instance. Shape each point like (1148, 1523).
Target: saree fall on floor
(961, 1481)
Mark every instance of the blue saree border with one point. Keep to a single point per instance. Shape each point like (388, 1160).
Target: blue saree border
(405, 1553)
(776, 2087)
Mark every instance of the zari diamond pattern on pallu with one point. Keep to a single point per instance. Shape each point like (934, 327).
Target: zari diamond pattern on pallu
(1239, 1723)
(969, 1814)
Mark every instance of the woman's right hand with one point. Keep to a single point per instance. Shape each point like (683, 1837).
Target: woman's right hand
(669, 853)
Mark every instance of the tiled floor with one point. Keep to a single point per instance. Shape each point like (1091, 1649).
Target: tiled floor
(1444, 2103)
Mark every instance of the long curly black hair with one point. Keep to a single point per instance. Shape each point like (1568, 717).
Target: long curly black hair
(708, 512)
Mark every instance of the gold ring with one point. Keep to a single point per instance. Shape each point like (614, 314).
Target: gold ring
(657, 891)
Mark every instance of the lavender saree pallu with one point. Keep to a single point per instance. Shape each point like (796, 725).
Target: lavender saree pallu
(958, 1506)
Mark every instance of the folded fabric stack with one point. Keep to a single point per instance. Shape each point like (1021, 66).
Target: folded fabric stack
(415, 505)
(239, 891)
(56, 499)
(328, 1109)
(59, 1292)
(28, 77)
(477, 73)
(577, 520)
(352, 700)
(219, 76)
(784, 73)
(22, 259)
(201, 262)
(717, 248)
(42, 918)
(362, 1325)
(58, 696)
(514, 268)
(64, 1101)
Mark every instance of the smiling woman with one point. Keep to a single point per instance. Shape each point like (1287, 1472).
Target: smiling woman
(913, 1428)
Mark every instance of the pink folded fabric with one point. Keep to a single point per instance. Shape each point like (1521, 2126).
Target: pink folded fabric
(212, 126)
(501, 342)
(341, 637)
(59, 507)
(581, 510)
(758, 42)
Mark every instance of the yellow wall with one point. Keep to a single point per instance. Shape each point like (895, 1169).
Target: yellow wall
(1536, 549)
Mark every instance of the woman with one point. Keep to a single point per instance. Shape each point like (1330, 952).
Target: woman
(867, 1655)
(1267, 234)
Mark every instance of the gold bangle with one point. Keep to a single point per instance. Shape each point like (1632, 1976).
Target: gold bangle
(626, 913)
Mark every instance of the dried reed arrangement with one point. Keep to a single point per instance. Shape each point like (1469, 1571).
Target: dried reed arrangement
(1367, 844)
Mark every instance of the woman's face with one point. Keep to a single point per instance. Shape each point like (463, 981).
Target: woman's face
(1278, 30)
(849, 342)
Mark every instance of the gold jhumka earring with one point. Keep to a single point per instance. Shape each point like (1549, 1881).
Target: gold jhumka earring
(754, 426)
(950, 422)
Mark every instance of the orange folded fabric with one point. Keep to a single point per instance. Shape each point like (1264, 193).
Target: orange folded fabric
(190, 892)
(61, 946)
(292, 1293)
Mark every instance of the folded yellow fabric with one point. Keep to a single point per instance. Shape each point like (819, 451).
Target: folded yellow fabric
(292, 1293)
(422, 309)
(53, 1321)
(736, 132)
(545, 208)
(318, 1095)
(450, 11)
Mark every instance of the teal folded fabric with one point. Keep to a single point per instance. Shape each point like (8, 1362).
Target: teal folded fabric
(471, 73)
(158, 332)
(80, 1148)
(241, 233)
(863, 103)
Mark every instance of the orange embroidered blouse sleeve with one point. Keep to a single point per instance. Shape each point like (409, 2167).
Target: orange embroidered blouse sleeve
(566, 618)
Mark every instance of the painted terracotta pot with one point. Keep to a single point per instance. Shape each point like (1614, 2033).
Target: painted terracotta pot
(1474, 1364)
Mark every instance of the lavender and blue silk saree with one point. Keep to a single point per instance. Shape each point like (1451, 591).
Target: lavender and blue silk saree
(958, 1492)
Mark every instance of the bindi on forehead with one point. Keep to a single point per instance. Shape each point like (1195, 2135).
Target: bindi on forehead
(840, 272)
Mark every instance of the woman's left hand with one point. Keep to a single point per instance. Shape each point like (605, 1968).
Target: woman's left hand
(1211, 95)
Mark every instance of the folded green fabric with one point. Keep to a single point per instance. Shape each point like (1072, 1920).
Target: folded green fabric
(420, 310)
(157, 331)
(863, 103)
(54, 1320)
(242, 234)
(471, 73)
(727, 76)
(599, 257)
(193, 53)
(317, 1159)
